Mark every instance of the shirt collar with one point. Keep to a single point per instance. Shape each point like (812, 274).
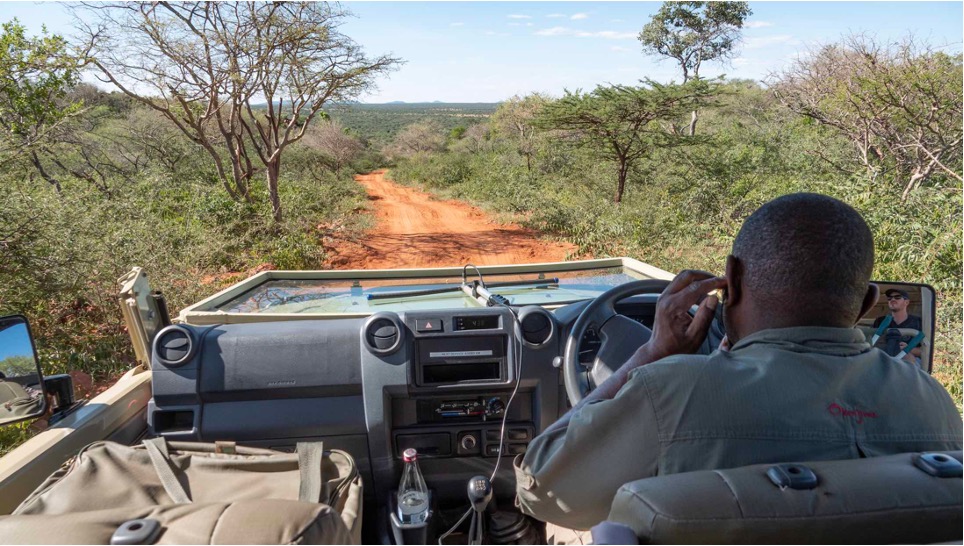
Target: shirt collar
(810, 339)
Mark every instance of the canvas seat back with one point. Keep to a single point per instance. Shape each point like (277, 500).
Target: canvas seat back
(890, 499)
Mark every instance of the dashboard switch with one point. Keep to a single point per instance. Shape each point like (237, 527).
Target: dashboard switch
(428, 325)
(491, 450)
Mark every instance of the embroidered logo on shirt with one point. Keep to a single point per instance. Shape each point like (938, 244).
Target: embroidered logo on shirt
(837, 410)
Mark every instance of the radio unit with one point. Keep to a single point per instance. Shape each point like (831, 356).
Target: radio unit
(457, 360)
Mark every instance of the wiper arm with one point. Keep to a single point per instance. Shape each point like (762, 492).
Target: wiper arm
(471, 286)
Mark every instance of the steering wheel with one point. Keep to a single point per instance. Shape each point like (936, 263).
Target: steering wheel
(620, 336)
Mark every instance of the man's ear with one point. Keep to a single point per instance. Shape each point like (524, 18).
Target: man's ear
(870, 300)
(734, 280)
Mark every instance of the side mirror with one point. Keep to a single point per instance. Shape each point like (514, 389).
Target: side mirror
(902, 323)
(22, 390)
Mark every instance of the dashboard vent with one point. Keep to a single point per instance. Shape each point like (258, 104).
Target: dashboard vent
(383, 333)
(537, 325)
(173, 346)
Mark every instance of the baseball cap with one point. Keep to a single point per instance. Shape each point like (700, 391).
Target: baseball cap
(897, 292)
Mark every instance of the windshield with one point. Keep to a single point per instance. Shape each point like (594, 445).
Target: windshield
(311, 296)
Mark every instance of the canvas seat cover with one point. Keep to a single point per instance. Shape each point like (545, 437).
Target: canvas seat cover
(108, 475)
(867, 501)
(245, 522)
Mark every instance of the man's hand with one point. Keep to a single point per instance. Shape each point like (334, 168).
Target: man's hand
(674, 330)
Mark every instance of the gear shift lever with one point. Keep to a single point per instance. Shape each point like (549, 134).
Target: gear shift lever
(480, 494)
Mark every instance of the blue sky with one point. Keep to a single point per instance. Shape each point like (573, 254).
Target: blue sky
(489, 51)
(14, 341)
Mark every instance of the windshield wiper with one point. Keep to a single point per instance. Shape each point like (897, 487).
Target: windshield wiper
(474, 286)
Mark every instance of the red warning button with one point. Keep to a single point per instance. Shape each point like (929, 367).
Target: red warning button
(428, 325)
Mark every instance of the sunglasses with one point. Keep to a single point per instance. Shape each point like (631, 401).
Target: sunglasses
(898, 297)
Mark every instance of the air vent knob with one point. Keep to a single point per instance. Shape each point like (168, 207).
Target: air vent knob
(173, 346)
(382, 333)
(536, 325)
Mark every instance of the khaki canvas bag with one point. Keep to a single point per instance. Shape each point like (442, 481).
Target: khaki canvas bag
(106, 475)
(268, 521)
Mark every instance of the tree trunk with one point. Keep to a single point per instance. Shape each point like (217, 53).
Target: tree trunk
(273, 170)
(621, 183)
(693, 120)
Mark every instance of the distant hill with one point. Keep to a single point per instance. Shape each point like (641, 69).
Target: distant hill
(380, 122)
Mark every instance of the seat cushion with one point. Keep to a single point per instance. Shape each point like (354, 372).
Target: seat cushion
(876, 500)
(245, 522)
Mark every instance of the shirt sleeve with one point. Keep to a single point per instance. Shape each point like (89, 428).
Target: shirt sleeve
(570, 476)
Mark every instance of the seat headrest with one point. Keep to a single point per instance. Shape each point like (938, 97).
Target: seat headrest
(876, 500)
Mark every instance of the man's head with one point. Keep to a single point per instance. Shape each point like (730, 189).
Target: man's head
(800, 260)
(897, 300)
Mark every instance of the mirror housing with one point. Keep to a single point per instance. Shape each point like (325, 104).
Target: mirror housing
(23, 394)
(908, 333)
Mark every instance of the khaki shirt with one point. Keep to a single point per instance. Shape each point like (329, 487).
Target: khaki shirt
(782, 395)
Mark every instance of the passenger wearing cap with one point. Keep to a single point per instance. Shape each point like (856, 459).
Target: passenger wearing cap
(898, 301)
(798, 382)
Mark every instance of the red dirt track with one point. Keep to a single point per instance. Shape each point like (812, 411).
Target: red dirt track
(415, 230)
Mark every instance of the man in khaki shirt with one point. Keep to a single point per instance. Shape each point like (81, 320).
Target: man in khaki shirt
(798, 382)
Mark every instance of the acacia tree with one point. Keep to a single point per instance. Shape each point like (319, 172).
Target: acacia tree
(900, 105)
(516, 119)
(35, 76)
(331, 139)
(692, 33)
(241, 79)
(419, 137)
(621, 123)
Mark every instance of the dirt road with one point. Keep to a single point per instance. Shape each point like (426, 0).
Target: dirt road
(413, 229)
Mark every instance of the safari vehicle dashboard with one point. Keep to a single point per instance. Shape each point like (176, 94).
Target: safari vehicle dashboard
(374, 363)
(464, 384)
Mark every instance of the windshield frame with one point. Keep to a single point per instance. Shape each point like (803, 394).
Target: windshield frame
(201, 314)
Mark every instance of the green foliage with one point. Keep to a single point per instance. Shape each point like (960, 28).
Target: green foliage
(622, 123)
(62, 252)
(694, 32)
(18, 365)
(35, 75)
(899, 105)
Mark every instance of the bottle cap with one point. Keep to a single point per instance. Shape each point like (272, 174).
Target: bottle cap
(409, 455)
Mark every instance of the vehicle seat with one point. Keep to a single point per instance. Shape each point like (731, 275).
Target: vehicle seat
(269, 521)
(906, 498)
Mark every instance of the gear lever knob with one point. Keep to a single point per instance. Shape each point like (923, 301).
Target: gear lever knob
(480, 493)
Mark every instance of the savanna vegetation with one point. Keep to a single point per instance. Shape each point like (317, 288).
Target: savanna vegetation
(232, 149)
(154, 173)
(627, 170)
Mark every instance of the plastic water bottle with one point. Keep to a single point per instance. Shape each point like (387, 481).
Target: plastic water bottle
(412, 492)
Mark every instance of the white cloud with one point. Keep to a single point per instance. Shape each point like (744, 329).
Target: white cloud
(515, 24)
(518, 16)
(490, 33)
(740, 61)
(566, 31)
(456, 24)
(757, 24)
(530, 24)
(554, 31)
(579, 16)
(608, 34)
(767, 41)
(620, 49)
(556, 15)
